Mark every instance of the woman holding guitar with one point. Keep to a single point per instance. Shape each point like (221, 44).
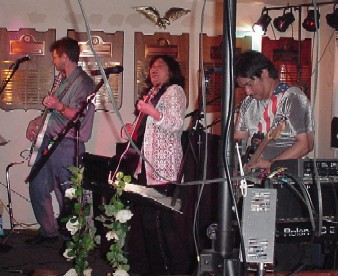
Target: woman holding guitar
(154, 243)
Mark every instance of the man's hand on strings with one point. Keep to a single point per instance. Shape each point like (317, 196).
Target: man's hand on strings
(32, 129)
(52, 102)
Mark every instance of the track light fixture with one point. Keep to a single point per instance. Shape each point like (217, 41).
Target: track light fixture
(282, 23)
(332, 19)
(309, 22)
(262, 23)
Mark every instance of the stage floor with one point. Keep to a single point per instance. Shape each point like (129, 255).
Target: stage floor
(45, 260)
(21, 258)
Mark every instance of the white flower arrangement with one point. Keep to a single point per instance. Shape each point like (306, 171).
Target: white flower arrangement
(111, 235)
(70, 193)
(73, 225)
(82, 232)
(120, 272)
(72, 272)
(115, 219)
(123, 216)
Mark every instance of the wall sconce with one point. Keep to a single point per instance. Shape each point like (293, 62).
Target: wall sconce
(282, 23)
(332, 19)
(309, 22)
(262, 23)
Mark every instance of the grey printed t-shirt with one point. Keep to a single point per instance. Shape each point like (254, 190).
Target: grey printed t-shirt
(292, 105)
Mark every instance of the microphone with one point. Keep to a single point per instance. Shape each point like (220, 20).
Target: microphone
(110, 70)
(23, 59)
(213, 70)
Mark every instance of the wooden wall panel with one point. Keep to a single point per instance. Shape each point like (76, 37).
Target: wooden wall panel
(34, 78)
(213, 67)
(292, 60)
(109, 48)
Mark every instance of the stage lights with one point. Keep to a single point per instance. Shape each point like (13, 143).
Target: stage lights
(332, 19)
(309, 22)
(262, 24)
(282, 23)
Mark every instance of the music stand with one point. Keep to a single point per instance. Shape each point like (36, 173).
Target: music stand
(3, 246)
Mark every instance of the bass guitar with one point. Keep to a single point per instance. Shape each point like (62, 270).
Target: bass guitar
(273, 134)
(36, 144)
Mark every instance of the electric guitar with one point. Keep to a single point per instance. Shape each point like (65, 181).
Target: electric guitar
(141, 115)
(273, 134)
(36, 144)
(129, 155)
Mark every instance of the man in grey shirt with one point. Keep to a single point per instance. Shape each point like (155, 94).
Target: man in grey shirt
(269, 105)
(70, 95)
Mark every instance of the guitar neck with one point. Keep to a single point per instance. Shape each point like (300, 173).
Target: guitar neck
(139, 119)
(273, 134)
(258, 151)
(44, 116)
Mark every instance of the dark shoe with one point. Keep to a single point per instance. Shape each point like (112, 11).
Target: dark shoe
(39, 239)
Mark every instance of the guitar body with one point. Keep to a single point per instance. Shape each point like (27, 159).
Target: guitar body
(139, 119)
(273, 134)
(39, 138)
(128, 160)
(36, 144)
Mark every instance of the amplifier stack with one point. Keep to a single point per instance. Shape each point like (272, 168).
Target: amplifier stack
(292, 217)
(304, 168)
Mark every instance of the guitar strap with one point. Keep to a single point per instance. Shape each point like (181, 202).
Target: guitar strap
(64, 91)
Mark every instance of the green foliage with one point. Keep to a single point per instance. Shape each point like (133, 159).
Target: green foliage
(116, 214)
(83, 233)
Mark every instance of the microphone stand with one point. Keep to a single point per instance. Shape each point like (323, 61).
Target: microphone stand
(222, 260)
(15, 66)
(75, 122)
(195, 127)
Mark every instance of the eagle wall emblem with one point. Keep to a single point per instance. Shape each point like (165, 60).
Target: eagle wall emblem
(153, 15)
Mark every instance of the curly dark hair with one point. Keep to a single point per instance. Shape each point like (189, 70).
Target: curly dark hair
(68, 46)
(175, 77)
(175, 73)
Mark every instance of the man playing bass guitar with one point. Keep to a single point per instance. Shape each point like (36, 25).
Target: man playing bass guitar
(268, 104)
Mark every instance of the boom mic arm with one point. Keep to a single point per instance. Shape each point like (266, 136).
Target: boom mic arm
(110, 70)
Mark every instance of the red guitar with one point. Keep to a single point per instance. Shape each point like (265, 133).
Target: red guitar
(140, 117)
(129, 155)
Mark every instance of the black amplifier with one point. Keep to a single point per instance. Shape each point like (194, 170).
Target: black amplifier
(305, 167)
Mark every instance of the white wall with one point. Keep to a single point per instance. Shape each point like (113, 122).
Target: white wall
(111, 16)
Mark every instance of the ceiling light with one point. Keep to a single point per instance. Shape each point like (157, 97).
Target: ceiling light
(282, 23)
(309, 22)
(332, 19)
(262, 24)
